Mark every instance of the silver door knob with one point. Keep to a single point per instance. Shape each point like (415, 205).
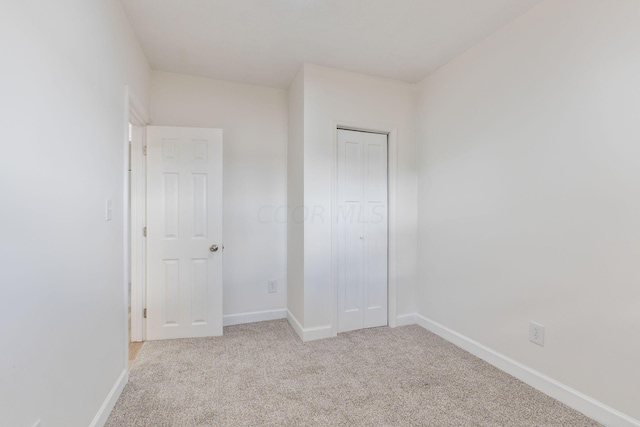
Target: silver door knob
(214, 248)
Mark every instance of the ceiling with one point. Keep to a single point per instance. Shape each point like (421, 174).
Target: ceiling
(264, 42)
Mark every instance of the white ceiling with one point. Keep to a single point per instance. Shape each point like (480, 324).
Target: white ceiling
(265, 42)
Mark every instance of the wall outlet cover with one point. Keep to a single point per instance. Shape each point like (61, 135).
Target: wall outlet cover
(272, 286)
(536, 333)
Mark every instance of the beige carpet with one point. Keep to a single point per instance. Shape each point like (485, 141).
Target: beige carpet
(261, 374)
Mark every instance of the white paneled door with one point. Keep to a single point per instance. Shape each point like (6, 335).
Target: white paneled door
(184, 232)
(362, 230)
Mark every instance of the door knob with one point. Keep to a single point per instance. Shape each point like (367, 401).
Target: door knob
(214, 248)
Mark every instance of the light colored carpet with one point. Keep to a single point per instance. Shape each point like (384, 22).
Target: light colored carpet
(261, 374)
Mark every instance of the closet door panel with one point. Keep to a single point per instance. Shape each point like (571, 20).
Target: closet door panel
(350, 223)
(375, 236)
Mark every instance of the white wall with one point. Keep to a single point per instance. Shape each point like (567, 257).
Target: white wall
(295, 199)
(254, 123)
(62, 308)
(334, 96)
(529, 195)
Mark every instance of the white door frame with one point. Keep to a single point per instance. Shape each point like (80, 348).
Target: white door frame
(392, 181)
(137, 116)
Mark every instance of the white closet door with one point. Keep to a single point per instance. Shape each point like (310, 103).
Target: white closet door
(184, 238)
(362, 230)
(375, 230)
(350, 231)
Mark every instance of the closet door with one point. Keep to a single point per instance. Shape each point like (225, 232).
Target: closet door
(375, 230)
(362, 230)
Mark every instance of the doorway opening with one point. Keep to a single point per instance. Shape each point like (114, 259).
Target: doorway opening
(135, 218)
(134, 347)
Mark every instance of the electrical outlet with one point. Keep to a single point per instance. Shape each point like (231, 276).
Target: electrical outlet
(536, 333)
(272, 286)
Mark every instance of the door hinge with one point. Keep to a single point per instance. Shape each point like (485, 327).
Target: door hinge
(144, 313)
(144, 150)
(144, 231)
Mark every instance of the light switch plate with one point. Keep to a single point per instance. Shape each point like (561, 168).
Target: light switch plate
(108, 209)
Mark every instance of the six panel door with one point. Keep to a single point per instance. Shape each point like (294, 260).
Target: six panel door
(184, 232)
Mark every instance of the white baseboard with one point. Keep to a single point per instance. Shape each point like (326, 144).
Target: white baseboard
(567, 395)
(309, 334)
(295, 324)
(254, 316)
(107, 406)
(406, 319)
(318, 333)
